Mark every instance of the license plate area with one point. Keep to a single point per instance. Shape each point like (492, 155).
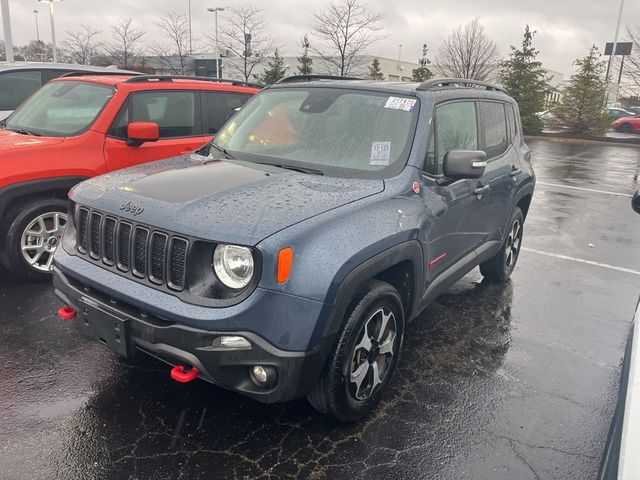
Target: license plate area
(106, 327)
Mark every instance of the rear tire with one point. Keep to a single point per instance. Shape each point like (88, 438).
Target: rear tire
(364, 356)
(500, 267)
(34, 231)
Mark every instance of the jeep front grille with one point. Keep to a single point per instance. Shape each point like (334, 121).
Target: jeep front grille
(132, 249)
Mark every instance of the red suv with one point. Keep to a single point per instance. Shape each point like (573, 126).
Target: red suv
(78, 127)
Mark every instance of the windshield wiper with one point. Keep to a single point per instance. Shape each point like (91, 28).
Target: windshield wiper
(22, 131)
(310, 171)
(223, 151)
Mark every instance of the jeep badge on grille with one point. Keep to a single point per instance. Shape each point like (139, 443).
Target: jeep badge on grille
(130, 207)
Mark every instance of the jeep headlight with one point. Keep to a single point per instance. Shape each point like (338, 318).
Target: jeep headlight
(233, 265)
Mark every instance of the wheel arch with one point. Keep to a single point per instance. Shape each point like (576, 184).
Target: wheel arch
(398, 266)
(53, 187)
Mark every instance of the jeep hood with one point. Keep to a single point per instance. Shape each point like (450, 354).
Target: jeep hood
(10, 141)
(225, 201)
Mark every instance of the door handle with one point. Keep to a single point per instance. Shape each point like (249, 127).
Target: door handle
(481, 190)
(515, 171)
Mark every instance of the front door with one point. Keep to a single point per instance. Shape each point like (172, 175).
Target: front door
(448, 240)
(175, 111)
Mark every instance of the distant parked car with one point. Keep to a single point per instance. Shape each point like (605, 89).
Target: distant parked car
(74, 128)
(18, 81)
(627, 124)
(615, 112)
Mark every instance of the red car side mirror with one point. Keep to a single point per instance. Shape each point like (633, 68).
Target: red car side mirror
(142, 132)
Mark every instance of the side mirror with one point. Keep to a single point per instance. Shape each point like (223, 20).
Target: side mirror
(635, 202)
(142, 132)
(459, 164)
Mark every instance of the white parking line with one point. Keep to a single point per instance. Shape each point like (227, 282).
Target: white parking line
(583, 189)
(582, 260)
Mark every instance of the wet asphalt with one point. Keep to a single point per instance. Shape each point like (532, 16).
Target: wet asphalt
(512, 381)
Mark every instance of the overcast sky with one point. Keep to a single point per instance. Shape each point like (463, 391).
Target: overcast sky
(566, 28)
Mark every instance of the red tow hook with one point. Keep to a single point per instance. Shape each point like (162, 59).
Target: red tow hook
(179, 375)
(67, 312)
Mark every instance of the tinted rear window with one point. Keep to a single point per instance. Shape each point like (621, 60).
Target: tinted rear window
(16, 87)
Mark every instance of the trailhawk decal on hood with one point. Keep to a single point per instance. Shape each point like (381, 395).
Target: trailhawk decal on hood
(219, 200)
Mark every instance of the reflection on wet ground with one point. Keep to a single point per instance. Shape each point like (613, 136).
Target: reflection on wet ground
(496, 381)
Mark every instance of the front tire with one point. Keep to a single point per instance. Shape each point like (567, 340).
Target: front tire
(500, 267)
(626, 128)
(33, 233)
(365, 355)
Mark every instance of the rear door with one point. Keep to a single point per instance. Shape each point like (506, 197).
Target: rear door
(502, 164)
(218, 107)
(177, 113)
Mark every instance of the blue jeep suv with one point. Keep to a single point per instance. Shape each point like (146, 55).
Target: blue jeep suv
(285, 258)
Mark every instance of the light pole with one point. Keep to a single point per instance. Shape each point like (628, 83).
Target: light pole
(215, 11)
(35, 14)
(53, 28)
(190, 38)
(6, 26)
(613, 53)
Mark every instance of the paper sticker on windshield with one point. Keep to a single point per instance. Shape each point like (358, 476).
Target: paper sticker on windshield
(380, 153)
(399, 103)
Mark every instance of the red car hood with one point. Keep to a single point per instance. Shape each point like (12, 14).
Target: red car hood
(11, 140)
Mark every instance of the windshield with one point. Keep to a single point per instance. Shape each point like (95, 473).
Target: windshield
(335, 131)
(60, 109)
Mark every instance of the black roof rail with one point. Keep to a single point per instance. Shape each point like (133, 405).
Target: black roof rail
(311, 78)
(88, 73)
(434, 83)
(169, 78)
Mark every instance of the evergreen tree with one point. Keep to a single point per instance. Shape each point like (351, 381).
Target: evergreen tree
(374, 70)
(422, 73)
(305, 62)
(276, 69)
(526, 81)
(580, 109)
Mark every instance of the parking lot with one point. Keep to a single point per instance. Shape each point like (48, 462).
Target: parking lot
(512, 381)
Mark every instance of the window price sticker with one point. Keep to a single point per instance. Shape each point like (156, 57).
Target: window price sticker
(380, 153)
(399, 103)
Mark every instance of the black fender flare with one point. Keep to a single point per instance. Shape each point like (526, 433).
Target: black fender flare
(347, 282)
(34, 187)
(524, 191)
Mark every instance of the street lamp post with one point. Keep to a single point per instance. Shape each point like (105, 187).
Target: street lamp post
(6, 26)
(613, 53)
(53, 28)
(190, 37)
(215, 11)
(35, 14)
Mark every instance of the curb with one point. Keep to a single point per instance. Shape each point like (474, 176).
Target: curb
(626, 142)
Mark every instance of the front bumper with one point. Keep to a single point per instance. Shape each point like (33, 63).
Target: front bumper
(127, 330)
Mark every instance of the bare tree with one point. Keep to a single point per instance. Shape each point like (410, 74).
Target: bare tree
(344, 30)
(35, 51)
(173, 52)
(243, 33)
(468, 53)
(82, 46)
(125, 47)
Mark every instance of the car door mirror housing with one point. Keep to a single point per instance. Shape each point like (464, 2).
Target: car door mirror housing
(459, 164)
(142, 132)
(635, 202)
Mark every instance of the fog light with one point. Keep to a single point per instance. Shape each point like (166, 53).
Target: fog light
(231, 341)
(264, 377)
(260, 374)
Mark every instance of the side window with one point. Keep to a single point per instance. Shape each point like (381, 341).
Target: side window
(220, 107)
(15, 87)
(494, 123)
(173, 111)
(455, 129)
